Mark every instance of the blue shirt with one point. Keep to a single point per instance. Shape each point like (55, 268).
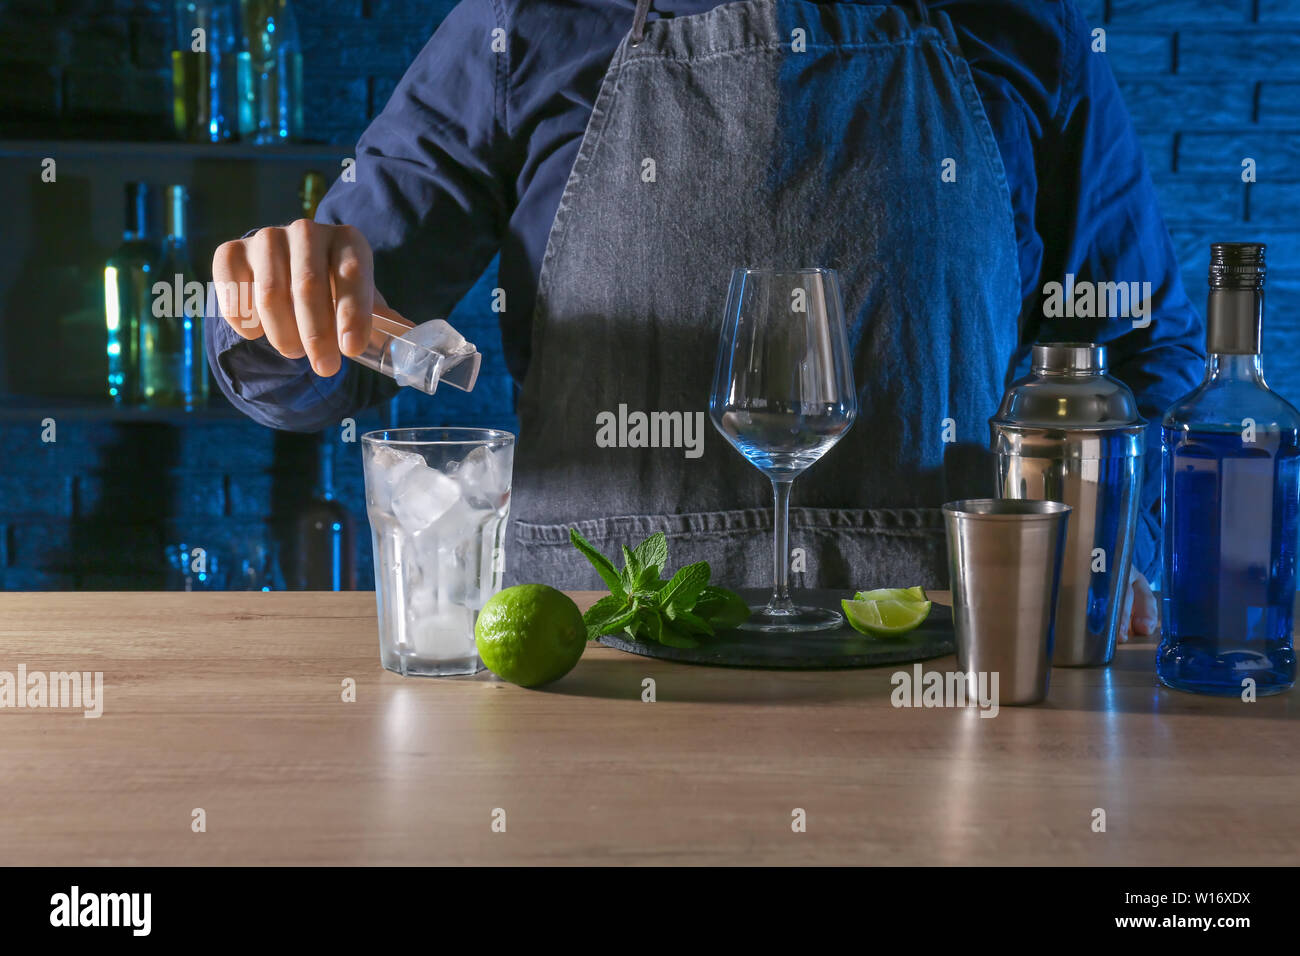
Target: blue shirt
(471, 154)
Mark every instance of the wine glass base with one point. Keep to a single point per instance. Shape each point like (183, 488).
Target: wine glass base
(764, 618)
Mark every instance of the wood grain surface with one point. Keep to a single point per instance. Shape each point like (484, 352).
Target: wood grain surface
(232, 703)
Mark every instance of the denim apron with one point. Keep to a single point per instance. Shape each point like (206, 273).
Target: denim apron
(785, 134)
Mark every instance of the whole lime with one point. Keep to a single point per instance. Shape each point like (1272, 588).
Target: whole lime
(530, 634)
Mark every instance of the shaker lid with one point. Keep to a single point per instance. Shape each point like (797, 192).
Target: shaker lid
(1067, 389)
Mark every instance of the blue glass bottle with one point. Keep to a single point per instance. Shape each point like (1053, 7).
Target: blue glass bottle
(1231, 499)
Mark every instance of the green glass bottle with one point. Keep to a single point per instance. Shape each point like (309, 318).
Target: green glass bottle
(203, 70)
(270, 67)
(173, 370)
(128, 280)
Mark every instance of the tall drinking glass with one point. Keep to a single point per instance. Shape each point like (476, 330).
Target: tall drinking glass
(783, 394)
(438, 499)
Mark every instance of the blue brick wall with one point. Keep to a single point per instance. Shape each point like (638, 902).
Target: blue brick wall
(1209, 84)
(98, 508)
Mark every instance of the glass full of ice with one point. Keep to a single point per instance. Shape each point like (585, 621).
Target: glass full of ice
(438, 499)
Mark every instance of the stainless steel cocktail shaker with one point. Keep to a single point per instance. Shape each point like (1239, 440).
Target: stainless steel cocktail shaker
(1071, 433)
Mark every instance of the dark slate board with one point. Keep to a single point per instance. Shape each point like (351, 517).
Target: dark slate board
(815, 650)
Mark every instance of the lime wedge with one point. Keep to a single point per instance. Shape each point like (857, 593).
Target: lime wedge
(916, 595)
(887, 618)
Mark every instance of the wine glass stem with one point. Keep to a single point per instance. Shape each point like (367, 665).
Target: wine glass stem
(780, 601)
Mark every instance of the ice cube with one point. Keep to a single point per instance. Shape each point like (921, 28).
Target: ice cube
(484, 476)
(421, 604)
(445, 632)
(421, 496)
(388, 465)
(438, 336)
(421, 351)
(453, 577)
(458, 524)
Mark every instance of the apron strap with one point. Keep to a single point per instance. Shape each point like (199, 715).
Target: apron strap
(638, 20)
(922, 11)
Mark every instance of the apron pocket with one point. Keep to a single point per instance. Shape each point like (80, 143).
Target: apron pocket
(841, 548)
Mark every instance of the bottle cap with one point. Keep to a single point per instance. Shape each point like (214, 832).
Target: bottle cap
(1062, 358)
(1237, 265)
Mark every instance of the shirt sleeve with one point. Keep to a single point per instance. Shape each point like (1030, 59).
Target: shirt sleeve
(426, 193)
(1113, 232)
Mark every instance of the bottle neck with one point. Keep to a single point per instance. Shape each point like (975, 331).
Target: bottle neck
(325, 471)
(1233, 319)
(177, 224)
(1224, 367)
(137, 214)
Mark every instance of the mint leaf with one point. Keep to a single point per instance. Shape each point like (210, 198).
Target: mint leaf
(604, 567)
(686, 621)
(686, 586)
(616, 624)
(672, 637)
(722, 608)
(715, 593)
(653, 553)
(648, 608)
(606, 608)
(646, 581)
(631, 569)
(601, 613)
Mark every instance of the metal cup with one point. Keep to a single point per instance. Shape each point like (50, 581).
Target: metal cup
(1004, 561)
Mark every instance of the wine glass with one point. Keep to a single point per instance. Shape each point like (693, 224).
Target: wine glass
(783, 394)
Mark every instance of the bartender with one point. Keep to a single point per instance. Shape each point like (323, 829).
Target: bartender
(949, 159)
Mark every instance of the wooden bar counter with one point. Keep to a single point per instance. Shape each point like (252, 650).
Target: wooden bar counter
(229, 709)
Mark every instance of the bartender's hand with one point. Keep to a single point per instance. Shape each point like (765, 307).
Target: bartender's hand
(311, 290)
(1139, 615)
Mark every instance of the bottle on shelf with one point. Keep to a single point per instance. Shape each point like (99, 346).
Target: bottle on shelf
(270, 72)
(325, 537)
(173, 370)
(204, 71)
(311, 192)
(128, 283)
(1231, 499)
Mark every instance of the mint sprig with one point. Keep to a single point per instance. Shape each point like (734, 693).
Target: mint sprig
(674, 612)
